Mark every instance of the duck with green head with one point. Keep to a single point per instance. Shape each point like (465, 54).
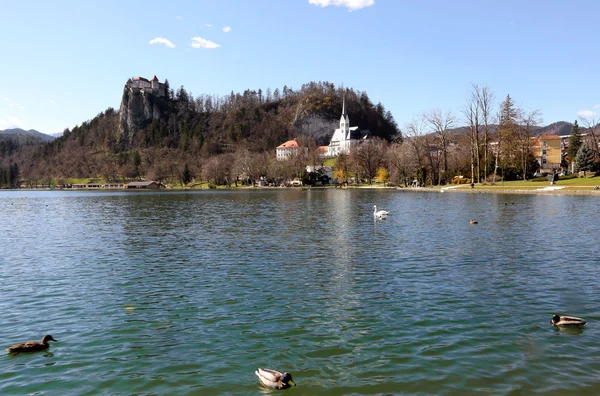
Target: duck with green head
(274, 379)
(571, 321)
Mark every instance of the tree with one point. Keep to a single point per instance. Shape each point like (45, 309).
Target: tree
(507, 129)
(401, 163)
(382, 175)
(592, 126)
(574, 142)
(441, 123)
(584, 161)
(369, 156)
(524, 133)
(472, 113)
(186, 175)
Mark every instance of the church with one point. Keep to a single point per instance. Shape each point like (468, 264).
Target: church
(345, 136)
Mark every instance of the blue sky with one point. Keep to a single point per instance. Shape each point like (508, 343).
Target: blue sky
(63, 62)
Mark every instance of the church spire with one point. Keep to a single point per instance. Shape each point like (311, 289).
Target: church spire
(344, 106)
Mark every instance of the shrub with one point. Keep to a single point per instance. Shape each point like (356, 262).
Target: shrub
(460, 180)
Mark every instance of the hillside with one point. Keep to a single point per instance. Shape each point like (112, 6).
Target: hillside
(157, 133)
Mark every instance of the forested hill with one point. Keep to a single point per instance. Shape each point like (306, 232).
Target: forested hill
(179, 128)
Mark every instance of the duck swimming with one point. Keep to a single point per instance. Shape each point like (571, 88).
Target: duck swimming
(571, 321)
(473, 222)
(31, 346)
(274, 379)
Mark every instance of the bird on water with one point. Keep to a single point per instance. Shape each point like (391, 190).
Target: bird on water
(32, 346)
(379, 214)
(571, 321)
(274, 379)
(473, 222)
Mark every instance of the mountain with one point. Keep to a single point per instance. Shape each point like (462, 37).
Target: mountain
(560, 128)
(31, 132)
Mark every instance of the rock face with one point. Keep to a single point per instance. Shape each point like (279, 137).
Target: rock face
(138, 108)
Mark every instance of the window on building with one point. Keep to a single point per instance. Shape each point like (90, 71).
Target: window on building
(544, 152)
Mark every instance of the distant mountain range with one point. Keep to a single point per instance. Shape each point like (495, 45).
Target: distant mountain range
(31, 132)
(558, 128)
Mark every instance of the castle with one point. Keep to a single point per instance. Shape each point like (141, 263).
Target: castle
(150, 86)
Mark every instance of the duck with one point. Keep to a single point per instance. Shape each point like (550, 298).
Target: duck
(381, 213)
(274, 379)
(473, 222)
(32, 346)
(572, 321)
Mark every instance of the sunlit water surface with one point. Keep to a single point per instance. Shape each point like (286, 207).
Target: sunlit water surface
(187, 293)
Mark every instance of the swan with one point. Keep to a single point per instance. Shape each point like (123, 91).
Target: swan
(381, 213)
(567, 321)
(31, 346)
(274, 379)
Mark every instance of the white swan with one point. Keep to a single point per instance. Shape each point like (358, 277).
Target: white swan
(381, 213)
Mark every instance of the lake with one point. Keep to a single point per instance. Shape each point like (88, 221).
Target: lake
(187, 293)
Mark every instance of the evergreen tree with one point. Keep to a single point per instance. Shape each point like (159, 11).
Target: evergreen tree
(574, 142)
(584, 160)
(186, 176)
(14, 176)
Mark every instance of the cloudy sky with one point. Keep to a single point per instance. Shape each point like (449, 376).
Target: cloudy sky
(63, 62)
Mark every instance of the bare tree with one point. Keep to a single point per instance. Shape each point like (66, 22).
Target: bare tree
(401, 162)
(485, 97)
(472, 113)
(440, 124)
(524, 134)
(369, 156)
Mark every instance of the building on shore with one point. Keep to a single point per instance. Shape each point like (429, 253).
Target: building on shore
(346, 136)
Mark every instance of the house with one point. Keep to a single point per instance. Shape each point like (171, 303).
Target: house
(146, 184)
(345, 136)
(286, 150)
(549, 151)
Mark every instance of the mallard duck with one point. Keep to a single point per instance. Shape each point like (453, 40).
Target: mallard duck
(32, 346)
(274, 379)
(567, 321)
(381, 213)
(473, 222)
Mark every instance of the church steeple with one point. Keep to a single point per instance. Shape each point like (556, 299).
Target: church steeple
(344, 121)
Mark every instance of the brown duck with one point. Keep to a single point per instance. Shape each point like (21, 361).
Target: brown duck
(32, 346)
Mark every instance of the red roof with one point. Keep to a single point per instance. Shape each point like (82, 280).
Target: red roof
(323, 149)
(141, 79)
(289, 144)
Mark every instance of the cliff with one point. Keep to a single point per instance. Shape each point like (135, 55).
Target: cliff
(138, 108)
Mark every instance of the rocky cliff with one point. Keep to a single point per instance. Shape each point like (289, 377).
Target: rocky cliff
(138, 108)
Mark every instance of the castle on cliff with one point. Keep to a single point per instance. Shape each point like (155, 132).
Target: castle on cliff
(147, 86)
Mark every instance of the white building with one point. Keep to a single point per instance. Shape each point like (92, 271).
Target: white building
(345, 136)
(287, 149)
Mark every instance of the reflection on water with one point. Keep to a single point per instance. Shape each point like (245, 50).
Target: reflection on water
(187, 293)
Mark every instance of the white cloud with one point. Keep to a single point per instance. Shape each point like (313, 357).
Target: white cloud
(51, 101)
(227, 29)
(11, 105)
(21, 107)
(586, 113)
(179, 18)
(199, 42)
(162, 40)
(11, 122)
(352, 5)
(7, 99)
(597, 106)
(208, 25)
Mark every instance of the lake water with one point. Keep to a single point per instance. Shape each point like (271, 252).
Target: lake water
(179, 293)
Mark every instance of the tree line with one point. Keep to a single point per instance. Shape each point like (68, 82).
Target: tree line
(231, 140)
